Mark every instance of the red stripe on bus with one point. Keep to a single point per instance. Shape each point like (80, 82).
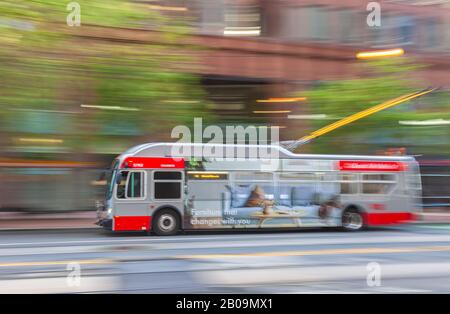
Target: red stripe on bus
(356, 165)
(153, 162)
(373, 219)
(132, 223)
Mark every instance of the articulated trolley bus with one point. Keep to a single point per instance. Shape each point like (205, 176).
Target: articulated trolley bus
(167, 187)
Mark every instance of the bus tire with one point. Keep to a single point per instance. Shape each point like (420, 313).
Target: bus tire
(166, 222)
(352, 219)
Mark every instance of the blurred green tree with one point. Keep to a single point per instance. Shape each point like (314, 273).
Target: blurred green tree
(380, 81)
(112, 86)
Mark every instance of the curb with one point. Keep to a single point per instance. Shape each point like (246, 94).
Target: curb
(434, 218)
(50, 229)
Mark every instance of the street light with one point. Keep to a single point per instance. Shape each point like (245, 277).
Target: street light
(380, 53)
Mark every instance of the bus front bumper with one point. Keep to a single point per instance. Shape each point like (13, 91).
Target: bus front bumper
(105, 223)
(104, 219)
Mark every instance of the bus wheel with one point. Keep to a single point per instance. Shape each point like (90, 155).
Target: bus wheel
(352, 220)
(166, 222)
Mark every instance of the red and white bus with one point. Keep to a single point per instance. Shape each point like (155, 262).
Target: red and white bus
(167, 187)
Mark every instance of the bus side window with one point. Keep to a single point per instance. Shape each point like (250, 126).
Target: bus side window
(378, 183)
(349, 184)
(122, 184)
(167, 184)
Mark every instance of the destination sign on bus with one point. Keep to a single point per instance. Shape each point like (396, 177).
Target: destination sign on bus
(355, 165)
(153, 163)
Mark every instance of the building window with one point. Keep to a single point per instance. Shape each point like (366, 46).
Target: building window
(431, 33)
(212, 20)
(243, 19)
(220, 17)
(345, 27)
(406, 27)
(318, 23)
(294, 24)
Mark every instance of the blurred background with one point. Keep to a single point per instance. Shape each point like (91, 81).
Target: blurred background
(74, 97)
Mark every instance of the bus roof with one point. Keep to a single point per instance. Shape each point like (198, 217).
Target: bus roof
(197, 150)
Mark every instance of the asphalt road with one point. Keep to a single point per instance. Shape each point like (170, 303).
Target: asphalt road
(408, 259)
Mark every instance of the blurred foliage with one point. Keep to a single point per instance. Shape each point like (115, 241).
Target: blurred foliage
(48, 65)
(381, 80)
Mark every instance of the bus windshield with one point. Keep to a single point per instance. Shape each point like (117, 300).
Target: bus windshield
(111, 178)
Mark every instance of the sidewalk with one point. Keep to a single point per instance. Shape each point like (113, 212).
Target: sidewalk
(84, 220)
(29, 221)
(435, 218)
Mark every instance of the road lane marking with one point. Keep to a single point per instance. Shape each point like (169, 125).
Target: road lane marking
(322, 274)
(230, 241)
(52, 263)
(180, 239)
(302, 242)
(239, 255)
(225, 236)
(41, 285)
(396, 290)
(322, 252)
